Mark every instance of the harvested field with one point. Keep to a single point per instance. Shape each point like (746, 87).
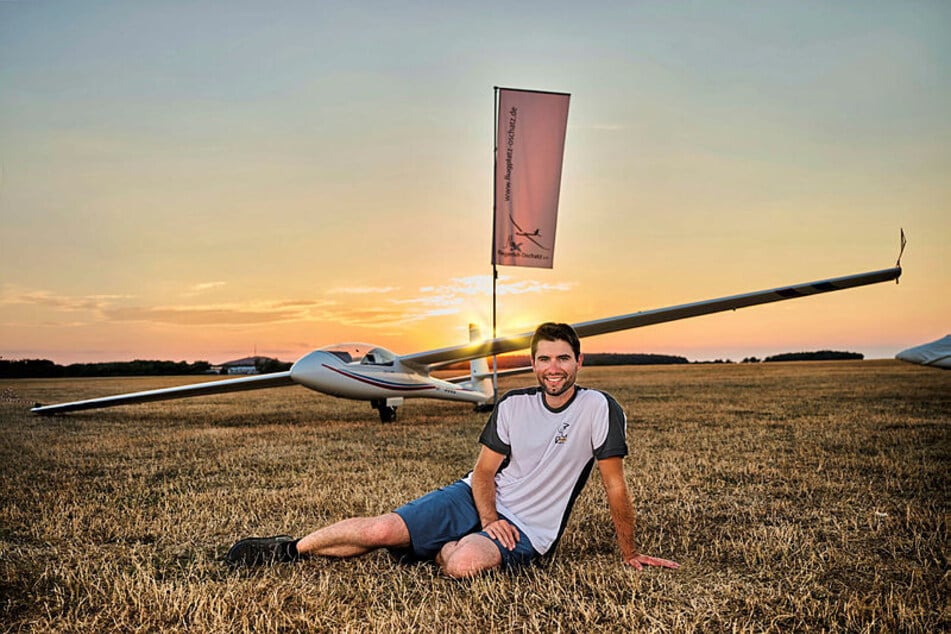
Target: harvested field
(796, 496)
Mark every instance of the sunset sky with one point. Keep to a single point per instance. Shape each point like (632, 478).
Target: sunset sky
(203, 180)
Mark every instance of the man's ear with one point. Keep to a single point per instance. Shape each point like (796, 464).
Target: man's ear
(580, 359)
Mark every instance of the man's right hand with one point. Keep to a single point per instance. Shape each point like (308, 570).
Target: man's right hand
(503, 531)
(639, 561)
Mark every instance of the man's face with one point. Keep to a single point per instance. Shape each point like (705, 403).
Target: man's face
(556, 367)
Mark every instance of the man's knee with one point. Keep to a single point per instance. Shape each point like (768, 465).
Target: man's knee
(386, 530)
(470, 556)
(445, 553)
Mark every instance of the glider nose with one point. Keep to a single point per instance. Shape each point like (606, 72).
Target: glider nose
(312, 370)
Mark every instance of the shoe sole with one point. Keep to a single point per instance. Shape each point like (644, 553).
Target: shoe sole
(245, 554)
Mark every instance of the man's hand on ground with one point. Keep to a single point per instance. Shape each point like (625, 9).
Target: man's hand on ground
(639, 561)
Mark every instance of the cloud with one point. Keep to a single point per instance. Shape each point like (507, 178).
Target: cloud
(191, 316)
(262, 312)
(12, 296)
(304, 303)
(481, 286)
(466, 286)
(198, 289)
(116, 308)
(433, 300)
(44, 324)
(387, 316)
(361, 309)
(364, 290)
(370, 317)
(532, 286)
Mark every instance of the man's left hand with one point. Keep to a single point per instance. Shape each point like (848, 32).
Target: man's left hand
(639, 561)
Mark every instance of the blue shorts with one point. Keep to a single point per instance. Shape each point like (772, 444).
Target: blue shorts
(447, 515)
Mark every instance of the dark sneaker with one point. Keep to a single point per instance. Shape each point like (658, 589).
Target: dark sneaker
(259, 551)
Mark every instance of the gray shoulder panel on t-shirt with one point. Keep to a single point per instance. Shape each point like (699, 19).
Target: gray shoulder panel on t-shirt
(616, 442)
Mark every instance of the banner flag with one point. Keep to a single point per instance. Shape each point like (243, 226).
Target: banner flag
(530, 146)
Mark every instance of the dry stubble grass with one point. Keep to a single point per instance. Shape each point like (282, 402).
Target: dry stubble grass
(796, 496)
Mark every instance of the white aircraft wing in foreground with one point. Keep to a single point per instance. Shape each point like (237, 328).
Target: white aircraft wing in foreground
(936, 354)
(364, 372)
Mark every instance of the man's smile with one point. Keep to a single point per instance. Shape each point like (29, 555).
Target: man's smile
(555, 380)
(555, 384)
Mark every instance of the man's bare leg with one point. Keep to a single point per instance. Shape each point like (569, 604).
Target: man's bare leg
(356, 536)
(471, 555)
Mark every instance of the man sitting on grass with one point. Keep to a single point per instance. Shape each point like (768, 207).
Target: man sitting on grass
(537, 452)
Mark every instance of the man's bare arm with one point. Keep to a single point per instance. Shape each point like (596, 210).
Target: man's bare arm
(622, 512)
(483, 493)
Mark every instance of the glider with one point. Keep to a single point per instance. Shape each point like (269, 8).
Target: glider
(368, 373)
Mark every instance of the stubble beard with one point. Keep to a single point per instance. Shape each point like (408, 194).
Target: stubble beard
(559, 388)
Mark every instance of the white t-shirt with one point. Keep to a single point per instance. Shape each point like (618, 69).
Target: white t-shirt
(549, 455)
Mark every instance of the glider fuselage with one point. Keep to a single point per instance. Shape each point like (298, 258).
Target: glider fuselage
(379, 374)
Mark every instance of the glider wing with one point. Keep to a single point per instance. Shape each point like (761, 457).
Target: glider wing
(256, 382)
(935, 354)
(444, 356)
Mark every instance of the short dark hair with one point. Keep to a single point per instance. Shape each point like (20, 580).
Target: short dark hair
(550, 331)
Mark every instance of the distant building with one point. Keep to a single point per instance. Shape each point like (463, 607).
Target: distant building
(247, 365)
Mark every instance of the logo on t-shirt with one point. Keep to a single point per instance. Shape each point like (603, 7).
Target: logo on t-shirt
(562, 436)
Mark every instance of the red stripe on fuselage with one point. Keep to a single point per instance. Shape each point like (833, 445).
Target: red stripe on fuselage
(380, 384)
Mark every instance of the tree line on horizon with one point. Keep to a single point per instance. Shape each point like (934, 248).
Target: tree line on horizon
(821, 355)
(46, 369)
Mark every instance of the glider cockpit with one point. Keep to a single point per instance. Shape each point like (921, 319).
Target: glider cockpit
(360, 353)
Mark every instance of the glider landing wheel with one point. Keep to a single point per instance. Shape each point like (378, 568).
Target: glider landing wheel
(387, 412)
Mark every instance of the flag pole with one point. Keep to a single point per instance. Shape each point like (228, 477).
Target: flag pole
(495, 270)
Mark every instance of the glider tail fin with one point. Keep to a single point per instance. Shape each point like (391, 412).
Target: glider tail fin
(479, 368)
